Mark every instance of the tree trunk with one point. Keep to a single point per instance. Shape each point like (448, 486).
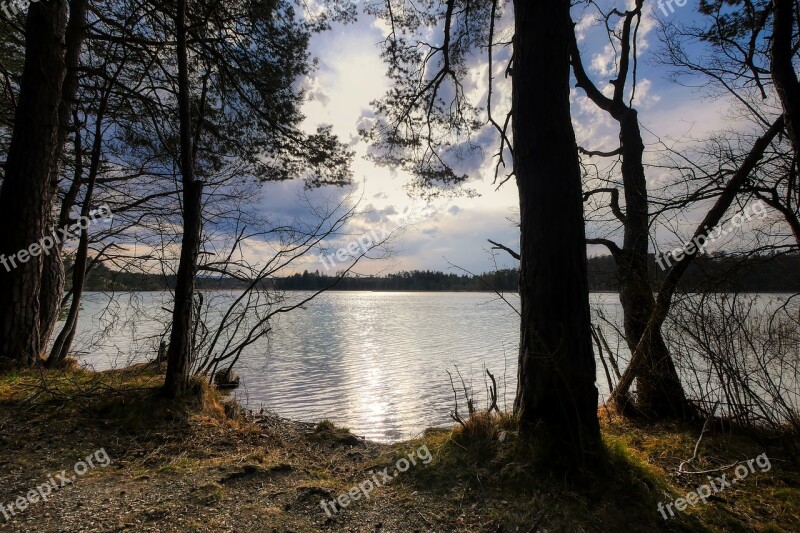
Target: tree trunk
(27, 193)
(659, 390)
(556, 364)
(785, 78)
(63, 342)
(180, 341)
(180, 345)
(50, 294)
(52, 290)
(655, 322)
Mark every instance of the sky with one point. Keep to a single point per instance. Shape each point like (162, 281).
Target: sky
(351, 74)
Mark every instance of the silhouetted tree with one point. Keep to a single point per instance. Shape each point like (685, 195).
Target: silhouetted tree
(424, 125)
(659, 391)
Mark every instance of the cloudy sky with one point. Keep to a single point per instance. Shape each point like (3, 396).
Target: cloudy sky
(351, 74)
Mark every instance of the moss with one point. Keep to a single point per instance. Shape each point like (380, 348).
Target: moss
(327, 431)
(484, 476)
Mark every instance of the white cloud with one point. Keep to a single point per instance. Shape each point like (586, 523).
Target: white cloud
(644, 99)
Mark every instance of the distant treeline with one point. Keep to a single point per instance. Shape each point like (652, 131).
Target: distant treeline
(777, 273)
(714, 273)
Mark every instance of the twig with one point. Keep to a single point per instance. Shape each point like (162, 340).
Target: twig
(493, 393)
(712, 470)
(454, 414)
(697, 444)
(470, 403)
(602, 357)
(613, 361)
(498, 246)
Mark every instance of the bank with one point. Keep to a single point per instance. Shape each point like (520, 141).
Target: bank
(209, 465)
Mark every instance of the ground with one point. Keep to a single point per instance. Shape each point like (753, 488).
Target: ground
(206, 465)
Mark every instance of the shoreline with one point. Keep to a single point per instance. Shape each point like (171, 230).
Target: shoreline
(209, 465)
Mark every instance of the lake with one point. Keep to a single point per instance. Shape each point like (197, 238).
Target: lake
(376, 362)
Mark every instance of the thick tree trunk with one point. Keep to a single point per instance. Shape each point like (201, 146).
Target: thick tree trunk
(180, 345)
(27, 193)
(556, 363)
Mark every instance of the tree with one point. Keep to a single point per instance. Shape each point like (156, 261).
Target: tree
(733, 54)
(180, 341)
(557, 367)
(424, 124)
(741, 63)
(52, 280)
(99, 106)
(670, 284)
(28, 189)
(231, 83)
(659, 391)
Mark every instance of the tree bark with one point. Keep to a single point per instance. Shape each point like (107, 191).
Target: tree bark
(180, 346)
(785, 78)
(27, 193)
(52, 289)
(659, 391)
(556, 386)
(50, 294)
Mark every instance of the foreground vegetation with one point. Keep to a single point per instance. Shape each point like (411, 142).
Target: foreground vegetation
(205, 464)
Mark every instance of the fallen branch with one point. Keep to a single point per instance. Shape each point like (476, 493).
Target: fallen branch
(697, 444)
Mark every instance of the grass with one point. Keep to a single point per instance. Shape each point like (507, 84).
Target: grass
(482, 476)
(636, 470)
(129, 399)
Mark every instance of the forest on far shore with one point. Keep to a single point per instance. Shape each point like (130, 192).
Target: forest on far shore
(718, 272)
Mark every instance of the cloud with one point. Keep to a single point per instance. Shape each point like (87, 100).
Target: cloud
(586, 21)
(351, 74)
(643, 98)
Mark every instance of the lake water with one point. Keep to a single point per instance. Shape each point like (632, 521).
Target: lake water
(376, 362)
